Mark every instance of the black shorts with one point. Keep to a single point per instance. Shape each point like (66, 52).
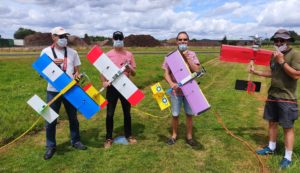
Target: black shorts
(285, 112)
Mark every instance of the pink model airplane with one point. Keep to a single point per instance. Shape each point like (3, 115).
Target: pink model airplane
(190, 89)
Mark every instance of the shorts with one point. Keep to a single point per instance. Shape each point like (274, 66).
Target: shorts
(176, 102)
(284, 113)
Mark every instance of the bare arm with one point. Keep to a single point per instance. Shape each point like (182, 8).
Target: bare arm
(76, 72)
(287, 68)
(290, 71)
(105, 83)
(262, 73)
(266, 73)
(131, 70)
(194, 67)
(169, 80)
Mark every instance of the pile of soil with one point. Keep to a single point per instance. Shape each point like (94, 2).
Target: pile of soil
(141, 41)
(44, 39)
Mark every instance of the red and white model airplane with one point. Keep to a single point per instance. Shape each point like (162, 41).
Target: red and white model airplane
(115, 75)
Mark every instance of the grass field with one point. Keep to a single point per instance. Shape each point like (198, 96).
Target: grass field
(216, 150)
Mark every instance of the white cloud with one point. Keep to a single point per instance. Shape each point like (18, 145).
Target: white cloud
(161, 19)
(284, 13)
(4, 11)
(228, 7)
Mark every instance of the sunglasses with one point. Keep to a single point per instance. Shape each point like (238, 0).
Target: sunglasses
(184, 39)
(118, 38)
(62, 36)
(279, 40)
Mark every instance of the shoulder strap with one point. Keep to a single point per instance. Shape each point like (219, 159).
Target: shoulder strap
(65, 60)
(54, 54)
(64, 68)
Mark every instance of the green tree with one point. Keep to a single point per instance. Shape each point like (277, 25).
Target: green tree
(87, 39)
(193, 40)
(295, 35)
(21, 33)
(224, 40)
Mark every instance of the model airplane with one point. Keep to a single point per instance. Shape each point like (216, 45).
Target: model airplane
(256, 39)
(92, 91)
(160, 96)
(246, 55)
(188, 78)
(120, 72)
(66, 86)
(115, 75)
(190, 88)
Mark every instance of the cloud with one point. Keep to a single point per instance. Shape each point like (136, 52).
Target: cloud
(281, 14)
(4, 11)
(39, 2)
(226, 8)
(161, 19)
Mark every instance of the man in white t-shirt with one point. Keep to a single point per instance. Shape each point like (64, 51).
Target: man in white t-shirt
(68, 60)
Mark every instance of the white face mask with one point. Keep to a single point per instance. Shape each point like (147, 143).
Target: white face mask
(283, 47)
(182, 47)
(118, 43)
(62, 42)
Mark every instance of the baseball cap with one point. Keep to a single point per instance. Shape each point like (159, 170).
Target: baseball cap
(59, 31)
(284, 34)
(118, 35)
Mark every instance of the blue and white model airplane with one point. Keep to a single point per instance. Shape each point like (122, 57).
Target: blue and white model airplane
(45, 66)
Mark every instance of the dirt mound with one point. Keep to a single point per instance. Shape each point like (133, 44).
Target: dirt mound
(141, 41)
(75, 41)
(44, 39)
(38, 39)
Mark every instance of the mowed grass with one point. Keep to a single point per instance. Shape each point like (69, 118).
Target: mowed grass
(216, 151)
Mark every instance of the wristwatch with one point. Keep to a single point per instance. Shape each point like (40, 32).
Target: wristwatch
(282, 64)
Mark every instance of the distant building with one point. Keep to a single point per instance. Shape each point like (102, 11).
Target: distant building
(18, 42)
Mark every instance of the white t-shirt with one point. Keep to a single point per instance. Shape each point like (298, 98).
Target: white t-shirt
(72, 61)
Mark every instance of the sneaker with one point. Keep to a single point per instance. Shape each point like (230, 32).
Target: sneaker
(131, 140)
(191, 142)
(49, 153)
(265, 151)
(285, 163)
(78, 145)
(171, 141)
(108, 143)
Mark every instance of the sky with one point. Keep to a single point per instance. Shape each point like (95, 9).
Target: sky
(163, 19)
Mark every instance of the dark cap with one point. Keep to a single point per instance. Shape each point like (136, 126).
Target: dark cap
(283, 34)
(118, 35)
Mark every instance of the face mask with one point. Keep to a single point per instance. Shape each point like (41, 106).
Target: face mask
(182, 47)
(282, 48)
(118, 43)
(62, 42)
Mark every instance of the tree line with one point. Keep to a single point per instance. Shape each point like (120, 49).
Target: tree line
(21, 33)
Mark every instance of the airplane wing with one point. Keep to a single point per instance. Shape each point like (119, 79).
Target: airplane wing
(39, 106)
(160, 96)
(191, 90)
(95, 95)
(112, 73)
(244, 55)
(56, 77)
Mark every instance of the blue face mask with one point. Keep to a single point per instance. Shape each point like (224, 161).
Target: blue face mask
(182, 47)
(62, 42)
(118, 43)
